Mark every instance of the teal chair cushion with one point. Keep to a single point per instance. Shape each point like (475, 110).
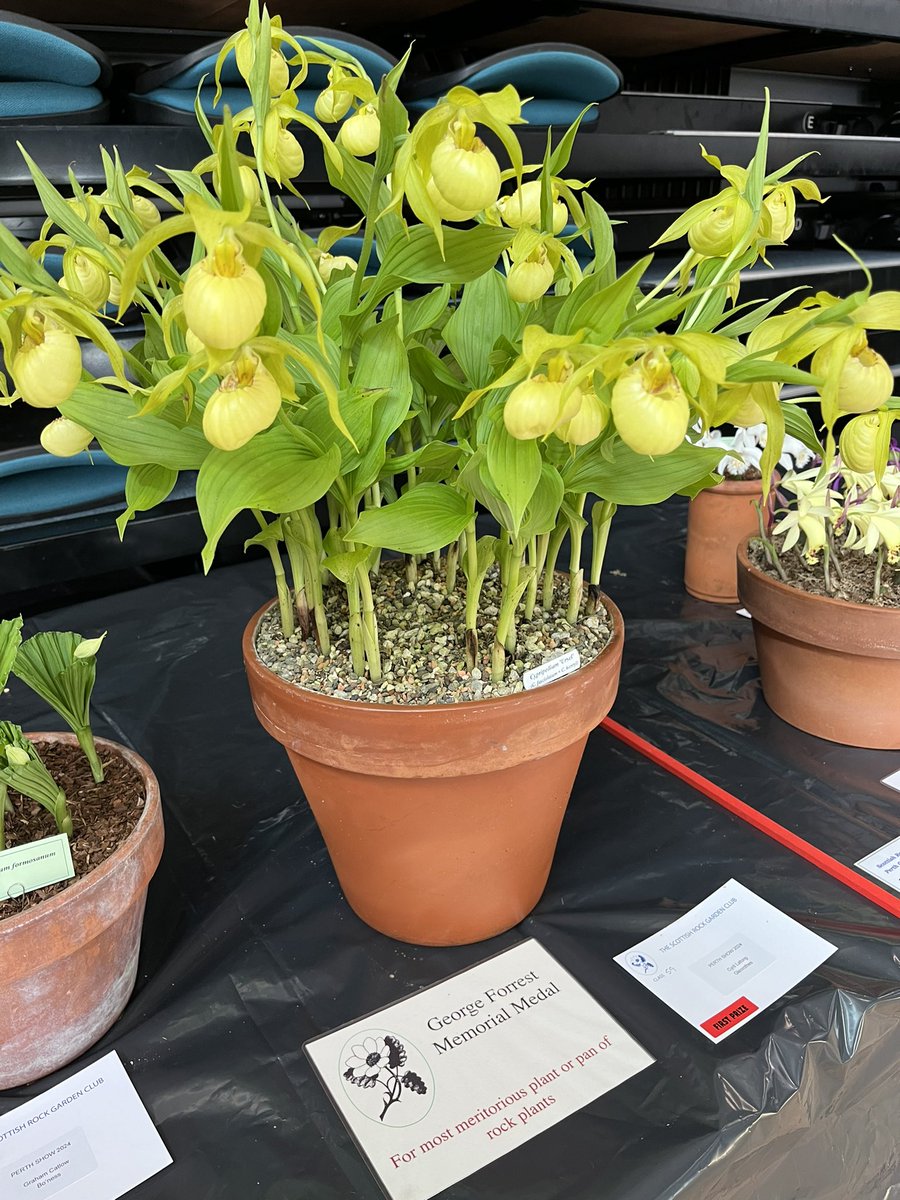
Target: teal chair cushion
(37, 99)
(38, 484)
(33, 53)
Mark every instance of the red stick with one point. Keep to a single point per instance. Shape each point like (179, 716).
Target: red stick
(845, 875)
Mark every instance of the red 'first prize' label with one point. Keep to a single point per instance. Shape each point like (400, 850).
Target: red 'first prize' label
(736, 1012)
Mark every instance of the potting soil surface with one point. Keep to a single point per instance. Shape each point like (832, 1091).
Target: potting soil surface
(250, 949)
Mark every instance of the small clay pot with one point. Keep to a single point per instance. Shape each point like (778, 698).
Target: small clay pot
(441, 820)
(827, 666)
(718, 521)
(68, 965)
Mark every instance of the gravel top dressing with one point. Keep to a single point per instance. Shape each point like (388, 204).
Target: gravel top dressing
(422, 633)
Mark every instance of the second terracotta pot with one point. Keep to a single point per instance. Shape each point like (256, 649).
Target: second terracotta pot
(827, 666)
(718, 521)
(68, 965)
(441, 820)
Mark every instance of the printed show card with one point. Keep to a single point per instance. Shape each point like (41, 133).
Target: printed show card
(89, 1138)
(884, 864)
(726, 960)
(440, 1084)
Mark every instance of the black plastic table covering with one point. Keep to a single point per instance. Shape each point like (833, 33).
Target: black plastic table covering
(249, 948)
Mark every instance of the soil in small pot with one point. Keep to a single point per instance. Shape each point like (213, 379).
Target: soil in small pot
(749, 475)
(103, 814)
(856, 582)
(422, 634)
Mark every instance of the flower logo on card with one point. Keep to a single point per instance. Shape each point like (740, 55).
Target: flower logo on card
(641, 964)
(386, 1078)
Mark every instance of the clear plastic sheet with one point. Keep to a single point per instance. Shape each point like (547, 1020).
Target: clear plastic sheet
(249, 948)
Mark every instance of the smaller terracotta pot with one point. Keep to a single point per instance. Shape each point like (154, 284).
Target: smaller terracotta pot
(718, 521)
(827, 666)
(68, 965)
(441, 820)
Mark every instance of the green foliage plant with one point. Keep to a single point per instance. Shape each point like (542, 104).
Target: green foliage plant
(484, 353)
(60, 668)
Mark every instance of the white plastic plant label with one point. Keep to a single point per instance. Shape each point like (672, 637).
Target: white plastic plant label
(446, 1081)
(892, 781)
(551, 670)
(34, 865)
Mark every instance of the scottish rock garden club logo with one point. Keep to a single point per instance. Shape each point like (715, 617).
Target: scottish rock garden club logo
(386, 1079)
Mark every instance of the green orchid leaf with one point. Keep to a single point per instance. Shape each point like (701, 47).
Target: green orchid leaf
(382, 366)
(146, 486)
(484, 315)
(623, 477)
(274, 472)
(131, 440)
(515, 468)
(542, 513)
(423, 520)
(797, 423)
(51, 665)
(415, 257)
(10, 640)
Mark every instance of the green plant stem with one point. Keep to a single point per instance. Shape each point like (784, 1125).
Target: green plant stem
(473, 594)
(506, 619)
(375, 496)
(662, 283)
(452, 561)
(531, 593)
(576, 574)
(370, 625)
(768, 545)
(553, 549)
(312, 548)
(355, 630)
(722, 275)
(298, 576)
(879, 567)
(5, 807)
(285, 608)
(86, 742)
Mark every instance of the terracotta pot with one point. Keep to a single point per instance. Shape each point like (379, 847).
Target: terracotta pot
(68, 965)
(441, 820)
(827, 666)
(718, 521)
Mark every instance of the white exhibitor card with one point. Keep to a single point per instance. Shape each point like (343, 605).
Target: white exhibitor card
(884, 864)
(726, 960)
(440, 1084)
(88, 1138)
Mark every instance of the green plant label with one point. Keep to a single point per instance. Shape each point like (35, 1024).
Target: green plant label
(34, 865)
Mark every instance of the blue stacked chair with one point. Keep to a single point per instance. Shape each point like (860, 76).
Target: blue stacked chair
(165, 95)
(49, 76)
(561, 78)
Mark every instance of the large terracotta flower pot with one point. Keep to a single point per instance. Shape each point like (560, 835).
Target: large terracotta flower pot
(827, 666)
(68, 965)
(441, 820)
(718, 521)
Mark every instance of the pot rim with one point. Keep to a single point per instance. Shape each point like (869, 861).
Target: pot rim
(48, 909)
(732, 486)
(788, 589)
(471, 707)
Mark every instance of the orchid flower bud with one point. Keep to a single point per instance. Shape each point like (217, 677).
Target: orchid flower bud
(63, 437)
(530, 279)
(279, 76)
(361, 133)
(523, 207)
(46, 368)
(748, 412)
(331, 105)
(532, 409)
(464, 170)
(246, 401)
(780, 205)
(866, 381)
(282, 154)
(649, 407)
(329, 263)
(146, 211)
(224, 298)
(85, 279)
(859, 443)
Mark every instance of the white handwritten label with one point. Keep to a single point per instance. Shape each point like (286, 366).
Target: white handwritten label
(34, 865)
(446, 1081)
(884, 863)
(89, 1137)
(551, 670)
(726, 960)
